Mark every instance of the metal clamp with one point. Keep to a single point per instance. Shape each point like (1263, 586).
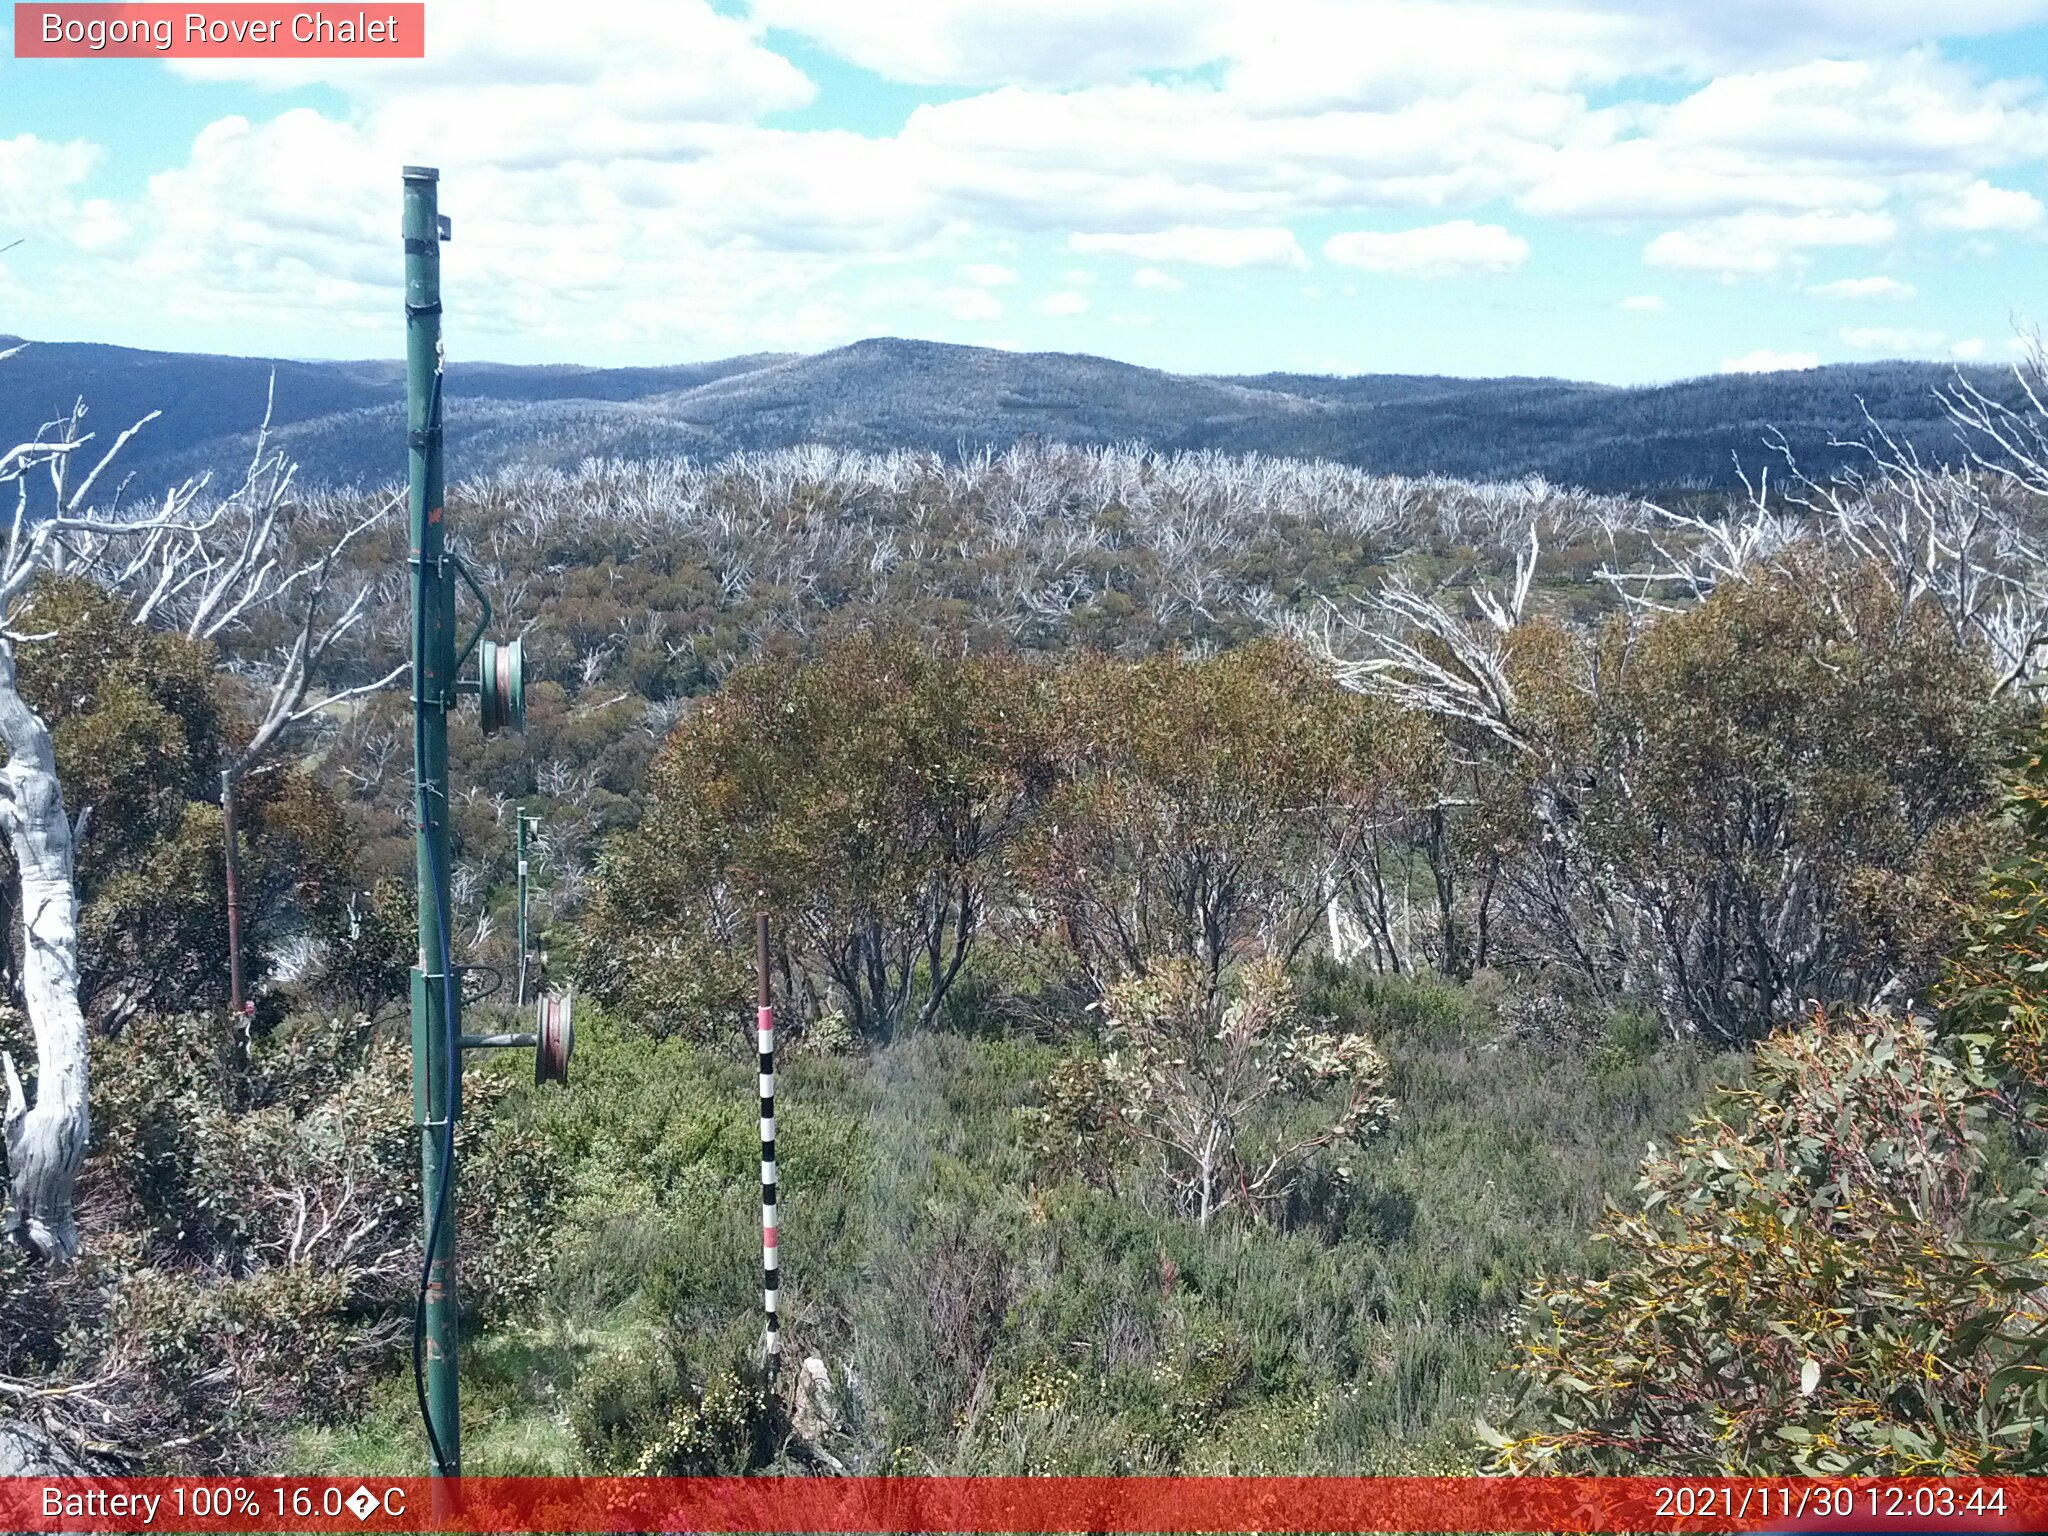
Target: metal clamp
(484, 620)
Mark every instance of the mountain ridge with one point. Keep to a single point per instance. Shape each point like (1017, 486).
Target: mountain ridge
(343, 420)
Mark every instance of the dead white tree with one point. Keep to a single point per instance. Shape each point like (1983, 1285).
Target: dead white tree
(264, 554)
(204, 568)
(46, 1138)
(1965, 537)
(1423, 656)
(1962, 540)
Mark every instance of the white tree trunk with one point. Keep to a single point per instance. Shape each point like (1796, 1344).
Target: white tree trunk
(1205, 1163)
(46, 1141)
(1350, 934)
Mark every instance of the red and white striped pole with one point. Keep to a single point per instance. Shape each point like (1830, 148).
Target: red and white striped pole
(764, 1023)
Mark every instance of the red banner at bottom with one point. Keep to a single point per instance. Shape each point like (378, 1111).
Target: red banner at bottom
(1023, 1504)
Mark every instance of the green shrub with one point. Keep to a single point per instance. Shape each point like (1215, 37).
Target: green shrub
(647, 1414)
(1232, 1092)
(260, 1223)
(1794, 783)
(1798, 1291)
(865, 799)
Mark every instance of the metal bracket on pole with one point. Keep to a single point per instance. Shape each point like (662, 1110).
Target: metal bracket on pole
(483, 600)
(498, 1042)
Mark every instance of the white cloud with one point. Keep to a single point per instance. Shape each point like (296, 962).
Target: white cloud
(1864, 288)
(1305, 54)
(1335, 53)
(1656, 178)
(1156, 154)
(300, 191)
(627, 74)
(1351, 52)
(1756, 243)
(37, 178)
(624, 177)
(1051, 43)
(1151, 157)
(1913, 112)
(1647, 303)
(1199, 246)
(1981, 206)
(1764, 360)
(1458, 248)
(98, 225)
(586, 255)
(1065, 303)
(583, 169)
(971, 304)
(1892, 340)
(29, 163)
(1968, 351)
(1838, 134)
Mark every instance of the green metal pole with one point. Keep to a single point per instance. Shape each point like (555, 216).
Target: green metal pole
(436, 1069)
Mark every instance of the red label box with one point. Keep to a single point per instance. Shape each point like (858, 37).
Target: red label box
(373, 30)
(1124, 1505)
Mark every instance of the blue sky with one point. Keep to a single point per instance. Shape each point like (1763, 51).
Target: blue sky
(1593, 188)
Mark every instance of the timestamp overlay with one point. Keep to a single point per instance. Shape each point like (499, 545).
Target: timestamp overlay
(1024, 1504)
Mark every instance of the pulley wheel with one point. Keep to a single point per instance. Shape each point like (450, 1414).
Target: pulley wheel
(555, 1037)
(501, 685)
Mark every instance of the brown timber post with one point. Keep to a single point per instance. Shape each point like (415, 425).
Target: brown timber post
(228, 834)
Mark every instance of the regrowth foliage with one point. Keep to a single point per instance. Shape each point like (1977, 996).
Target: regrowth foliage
(1229, 1090)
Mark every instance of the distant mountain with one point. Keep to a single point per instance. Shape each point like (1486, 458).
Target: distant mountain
(343, 421)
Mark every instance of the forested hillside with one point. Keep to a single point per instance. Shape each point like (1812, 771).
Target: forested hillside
(339, 421)
(1237, 922)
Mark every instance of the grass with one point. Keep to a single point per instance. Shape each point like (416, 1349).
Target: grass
(515, 1384)
(978, 1318)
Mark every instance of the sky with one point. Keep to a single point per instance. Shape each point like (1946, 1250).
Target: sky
(1619, 190)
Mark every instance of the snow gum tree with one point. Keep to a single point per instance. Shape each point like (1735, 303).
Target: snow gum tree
(200, 565)
(1230, 1089)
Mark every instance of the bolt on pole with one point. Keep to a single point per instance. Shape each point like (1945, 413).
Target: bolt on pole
(436, 1000)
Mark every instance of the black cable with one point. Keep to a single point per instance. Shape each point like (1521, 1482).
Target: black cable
(442, 1199)
(436, 878)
